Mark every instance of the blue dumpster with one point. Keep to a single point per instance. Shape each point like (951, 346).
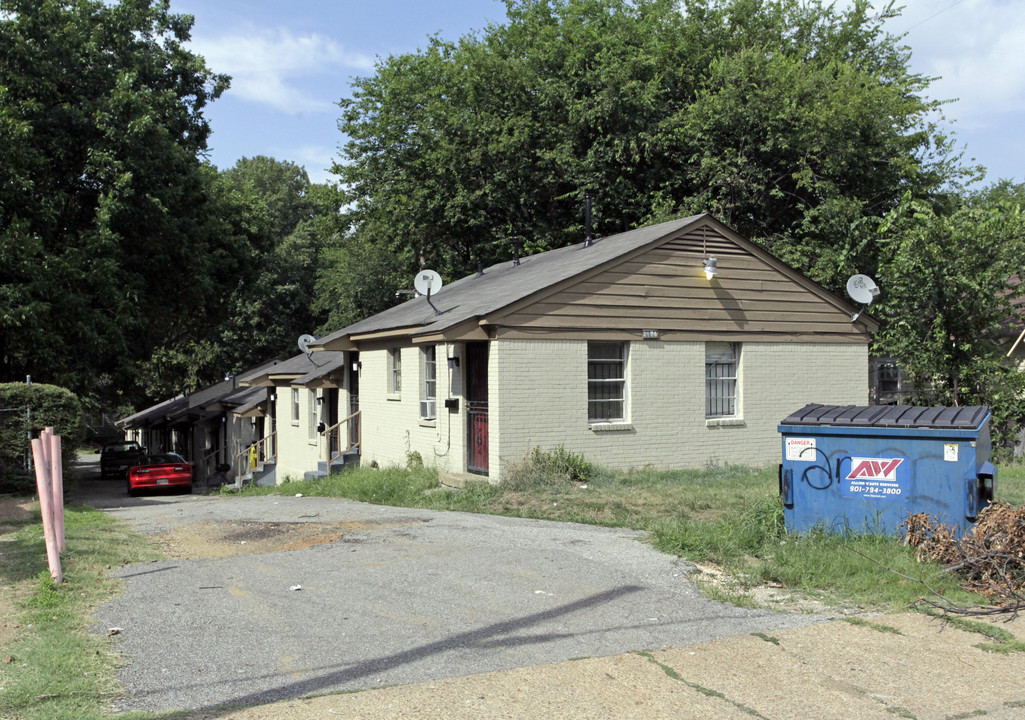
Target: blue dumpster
(866, 468)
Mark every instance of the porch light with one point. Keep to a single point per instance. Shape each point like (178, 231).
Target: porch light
(453, 362)
(356, 365)
(711, 268)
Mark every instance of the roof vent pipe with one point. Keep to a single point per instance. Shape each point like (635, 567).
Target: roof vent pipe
(517, 243)
(588, 240)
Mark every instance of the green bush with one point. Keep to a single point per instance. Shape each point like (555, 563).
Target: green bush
(550, 467)
(27, 410)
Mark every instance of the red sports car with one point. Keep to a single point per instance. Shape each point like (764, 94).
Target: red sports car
(164, 471)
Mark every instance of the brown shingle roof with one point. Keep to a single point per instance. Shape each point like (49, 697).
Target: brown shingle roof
(505, 283)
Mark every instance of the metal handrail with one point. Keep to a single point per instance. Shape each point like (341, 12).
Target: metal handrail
(266, 451)
(335, 431)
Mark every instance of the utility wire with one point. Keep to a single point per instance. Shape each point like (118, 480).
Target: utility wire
(935, 14)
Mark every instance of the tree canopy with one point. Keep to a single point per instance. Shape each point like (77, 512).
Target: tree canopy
(952, 296)
(797, 123)
(111, 240)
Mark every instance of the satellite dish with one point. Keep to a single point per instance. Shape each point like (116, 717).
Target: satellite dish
(862, 289)
(305, 341)
(427, 282)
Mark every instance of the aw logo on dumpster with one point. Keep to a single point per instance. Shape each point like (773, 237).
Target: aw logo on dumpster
(876, 478)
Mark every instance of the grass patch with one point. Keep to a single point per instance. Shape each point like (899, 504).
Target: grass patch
(727, 515)
(389, 486)
(1004, 642)
(708, 692)
(1011, 483)
(861, 622)
(57, 669)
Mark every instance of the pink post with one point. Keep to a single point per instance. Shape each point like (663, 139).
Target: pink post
(57, 478)
(44, 487)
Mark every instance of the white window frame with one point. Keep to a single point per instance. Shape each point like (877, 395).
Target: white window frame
(295, 406)
(429, 382)
(605, 388)
(314, 419)
(722, 373)
(394, 371)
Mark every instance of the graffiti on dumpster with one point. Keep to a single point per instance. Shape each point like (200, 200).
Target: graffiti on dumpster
(876, 478)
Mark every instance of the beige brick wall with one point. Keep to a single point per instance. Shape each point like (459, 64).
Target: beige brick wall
(391, 423)
(297, 454)
(539, 399)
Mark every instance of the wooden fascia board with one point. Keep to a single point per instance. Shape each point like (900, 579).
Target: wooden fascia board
(495, 318)
(465, 331)
(262, 381)
(331, 380)
(396, 333)
(282, 380)
(762, 336)
(343, 343)
(252, 412)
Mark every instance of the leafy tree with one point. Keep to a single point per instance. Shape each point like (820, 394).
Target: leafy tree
(951, 284)
(109, 230)
(292, 221)
(798, 123)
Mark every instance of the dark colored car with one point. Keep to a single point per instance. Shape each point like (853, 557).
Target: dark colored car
(116, 458)
(167, 471)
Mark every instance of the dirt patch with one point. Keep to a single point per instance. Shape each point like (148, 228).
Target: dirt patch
(721, 585)
(251, 537)
(15, 512)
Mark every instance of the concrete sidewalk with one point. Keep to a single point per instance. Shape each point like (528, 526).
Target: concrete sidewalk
(904, 665)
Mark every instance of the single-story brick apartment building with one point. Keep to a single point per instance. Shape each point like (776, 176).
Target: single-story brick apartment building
(627, 349)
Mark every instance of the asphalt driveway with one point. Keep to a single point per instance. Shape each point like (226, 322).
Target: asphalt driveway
(400, 596)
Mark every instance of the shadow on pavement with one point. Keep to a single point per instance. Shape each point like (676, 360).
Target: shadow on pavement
(479, 638)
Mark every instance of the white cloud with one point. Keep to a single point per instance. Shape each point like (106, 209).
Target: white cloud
(271, 68)
(976, 48)
(317, 159)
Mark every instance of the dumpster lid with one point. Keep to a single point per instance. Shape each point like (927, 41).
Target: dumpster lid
(890, 416)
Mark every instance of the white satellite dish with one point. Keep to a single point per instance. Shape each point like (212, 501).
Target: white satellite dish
(862, 289)
(305, 341)
(427, 282)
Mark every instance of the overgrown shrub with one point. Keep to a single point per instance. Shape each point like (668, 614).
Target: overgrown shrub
(550, 467)
(27, 410)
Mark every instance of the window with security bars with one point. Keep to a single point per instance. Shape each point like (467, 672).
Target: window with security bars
(606, 381)
(429, 384)
(721, 379)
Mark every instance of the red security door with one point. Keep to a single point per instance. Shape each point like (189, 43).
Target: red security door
(477, 407)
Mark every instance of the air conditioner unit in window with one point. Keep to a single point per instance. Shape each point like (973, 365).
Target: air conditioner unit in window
(427, 409)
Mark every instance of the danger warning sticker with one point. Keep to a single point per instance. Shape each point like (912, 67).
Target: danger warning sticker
(800, 449)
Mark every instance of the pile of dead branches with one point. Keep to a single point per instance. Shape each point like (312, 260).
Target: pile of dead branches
(990, 558)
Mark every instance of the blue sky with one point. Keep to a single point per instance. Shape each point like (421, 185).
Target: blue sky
(292, 61)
